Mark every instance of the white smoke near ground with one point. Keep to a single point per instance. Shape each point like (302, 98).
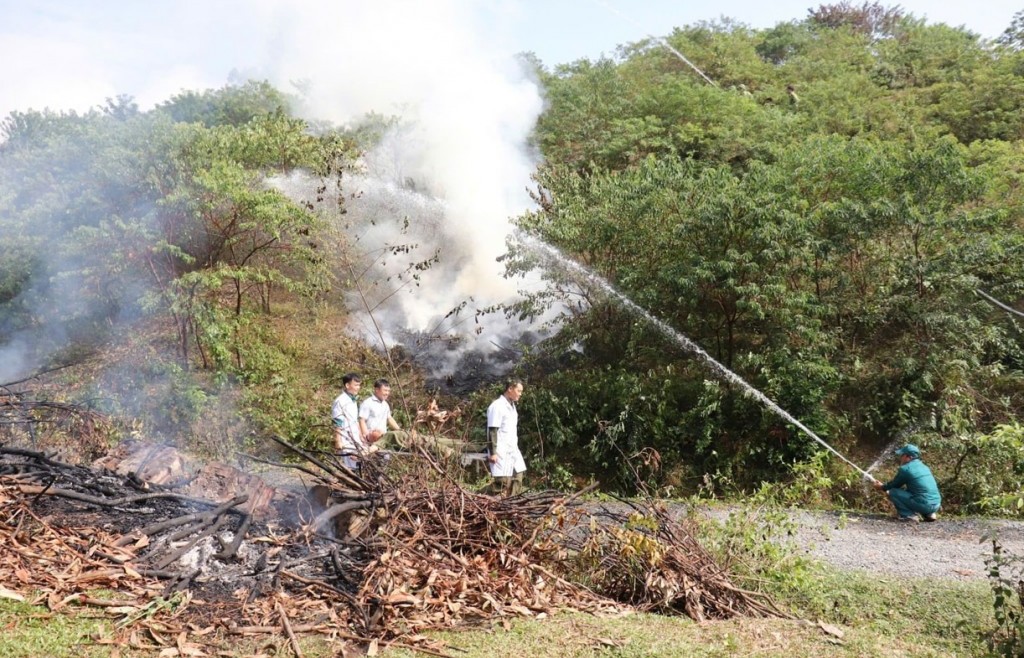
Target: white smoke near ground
(447, 179)
(449, 175)
(14, 358)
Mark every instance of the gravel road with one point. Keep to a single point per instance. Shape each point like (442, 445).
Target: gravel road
(949, 548)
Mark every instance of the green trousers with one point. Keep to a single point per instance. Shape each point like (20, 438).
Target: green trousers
(507, 485)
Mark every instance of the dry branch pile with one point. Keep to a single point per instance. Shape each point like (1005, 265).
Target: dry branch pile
(24, 413)
(376, 556)
(444, 557)
(643, 557)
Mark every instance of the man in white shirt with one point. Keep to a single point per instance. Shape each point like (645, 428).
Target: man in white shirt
(382, 430)
(348, 438)
(507, 464)
(375, 417)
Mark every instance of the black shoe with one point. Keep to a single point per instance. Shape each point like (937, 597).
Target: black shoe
(930, 518)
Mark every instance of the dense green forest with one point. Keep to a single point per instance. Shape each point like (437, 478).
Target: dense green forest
(827, 219)
(835, 213)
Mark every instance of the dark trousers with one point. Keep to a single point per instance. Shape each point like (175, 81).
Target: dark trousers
(507, 485)
(907, 505)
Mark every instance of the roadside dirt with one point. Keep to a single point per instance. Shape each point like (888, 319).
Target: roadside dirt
(952, 547)
(949, 548)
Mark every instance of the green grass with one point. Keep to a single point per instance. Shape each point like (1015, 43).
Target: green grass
(929, 616)
(28, 631)
(880, 617)
(885, 617)
(33, 632)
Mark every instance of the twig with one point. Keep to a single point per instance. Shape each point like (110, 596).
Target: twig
(103, 502)
(231, 549)
(181, 520)
(262, 630)
(37, 375)
(298, 467)
(288, 629)
(335, 510)
(347, 477)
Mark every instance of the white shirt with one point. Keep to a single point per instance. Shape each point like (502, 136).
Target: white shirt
(345, 413)
(376, 413)
(503, 415)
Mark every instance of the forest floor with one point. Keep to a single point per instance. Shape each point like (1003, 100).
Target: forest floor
(887, 589)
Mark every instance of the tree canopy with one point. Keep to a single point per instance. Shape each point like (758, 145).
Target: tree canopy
(820, 219)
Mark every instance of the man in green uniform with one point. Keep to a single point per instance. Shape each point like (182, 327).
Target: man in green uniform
(913, 491)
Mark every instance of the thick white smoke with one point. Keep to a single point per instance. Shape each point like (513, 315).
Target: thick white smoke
(456, 165)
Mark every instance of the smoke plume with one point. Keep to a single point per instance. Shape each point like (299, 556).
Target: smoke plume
(448, 176)
(445, 181)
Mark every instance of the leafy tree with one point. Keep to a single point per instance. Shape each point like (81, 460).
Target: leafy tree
(117, 210)
(986, 102)
(224, 232)
(925, 55)
(869, 18)
(1013, 36)
(836, 276)
(784, 41)
(233, 105)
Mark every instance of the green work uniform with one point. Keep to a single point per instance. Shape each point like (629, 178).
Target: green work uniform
(914, 489)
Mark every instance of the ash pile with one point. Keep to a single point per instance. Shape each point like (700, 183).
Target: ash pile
(375, 556)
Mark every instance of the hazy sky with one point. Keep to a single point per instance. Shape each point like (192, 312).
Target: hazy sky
(564, 30)
(71, 54)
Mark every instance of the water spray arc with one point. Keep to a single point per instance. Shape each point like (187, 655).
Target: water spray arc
(560, 260)
(661, 41)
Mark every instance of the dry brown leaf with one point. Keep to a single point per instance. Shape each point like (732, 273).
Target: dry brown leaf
(187, 651)
(122, 610)
(134, 641)
(10, 594)
(401, 598)
(162, 641)
(835, 631)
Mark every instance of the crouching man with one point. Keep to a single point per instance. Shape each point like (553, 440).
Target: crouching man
(913, 491)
